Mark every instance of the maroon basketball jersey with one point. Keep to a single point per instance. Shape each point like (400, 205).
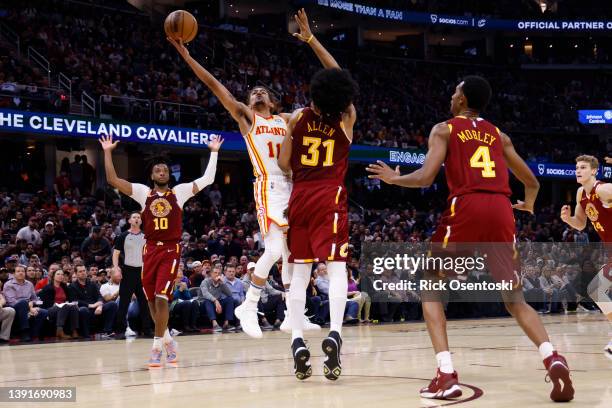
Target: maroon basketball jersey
(600, 216)
(475, 158)
(162, 217)
(320, 149)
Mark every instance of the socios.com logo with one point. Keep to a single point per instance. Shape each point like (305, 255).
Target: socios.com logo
(434, 18)
(608, 114)
(541, 169)
(482, 22)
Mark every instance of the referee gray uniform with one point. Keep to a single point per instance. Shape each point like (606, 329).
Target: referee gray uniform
(130, 246)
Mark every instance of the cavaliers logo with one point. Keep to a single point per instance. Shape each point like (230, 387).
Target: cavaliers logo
(160, 207)
(591, 212)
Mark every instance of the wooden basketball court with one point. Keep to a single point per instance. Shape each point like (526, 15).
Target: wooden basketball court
(383, 366)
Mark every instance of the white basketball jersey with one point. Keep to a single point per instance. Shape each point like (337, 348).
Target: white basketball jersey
(263, 143)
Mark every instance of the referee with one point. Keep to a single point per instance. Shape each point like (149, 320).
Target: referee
(129, 247)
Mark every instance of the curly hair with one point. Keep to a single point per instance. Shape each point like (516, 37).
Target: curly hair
(332, 91)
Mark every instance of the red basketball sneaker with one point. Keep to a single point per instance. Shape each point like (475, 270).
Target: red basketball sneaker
(558, 371)
(443, 386)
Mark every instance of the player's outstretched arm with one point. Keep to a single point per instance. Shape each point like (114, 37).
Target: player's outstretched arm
(423, 177)
(185, 191)
(111, 175)
(308, 37)
(579, 220)
(523, 173)
(239, 111)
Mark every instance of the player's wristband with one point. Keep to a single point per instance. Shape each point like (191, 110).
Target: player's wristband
(310, 39)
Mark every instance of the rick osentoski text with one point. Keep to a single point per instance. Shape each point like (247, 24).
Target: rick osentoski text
(454, 284)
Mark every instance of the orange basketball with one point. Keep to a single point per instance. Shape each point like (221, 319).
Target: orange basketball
(181, 25)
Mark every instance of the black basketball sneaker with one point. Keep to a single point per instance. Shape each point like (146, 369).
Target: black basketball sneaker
(331, 347)
(301, 357)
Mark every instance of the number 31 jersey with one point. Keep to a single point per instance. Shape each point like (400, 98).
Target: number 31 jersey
(320, 149)
(475, 160)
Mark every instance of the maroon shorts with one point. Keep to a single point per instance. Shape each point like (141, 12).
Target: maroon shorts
(481, 222)
(318, 223)
(160, 263)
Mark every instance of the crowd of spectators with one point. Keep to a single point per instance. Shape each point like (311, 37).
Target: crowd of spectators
(117, 56)
(57, 248)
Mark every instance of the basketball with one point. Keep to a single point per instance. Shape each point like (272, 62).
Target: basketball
(181, 25)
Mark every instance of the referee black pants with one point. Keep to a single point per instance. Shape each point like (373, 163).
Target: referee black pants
(131, 283)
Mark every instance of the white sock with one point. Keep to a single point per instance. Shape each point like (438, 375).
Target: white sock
(253, 294)
(167, 337)
(338, 288)
(297, 334)
(445, 363)
(546, 349)
(287, 269)
(297, 299)
(287, 302)
(157, 343)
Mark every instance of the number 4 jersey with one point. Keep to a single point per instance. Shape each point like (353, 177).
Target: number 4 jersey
(475, 160)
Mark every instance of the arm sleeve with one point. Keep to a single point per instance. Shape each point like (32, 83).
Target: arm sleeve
(118, 245)
(33, 296)
(205, 292)
(271, 290)
(140, 193)
(184, 191)
(9, 295)
(226, 289)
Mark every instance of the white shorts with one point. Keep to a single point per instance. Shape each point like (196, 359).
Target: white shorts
(271, 201)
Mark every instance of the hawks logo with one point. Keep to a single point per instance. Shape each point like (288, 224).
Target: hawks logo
(591, 212)
(160, 207)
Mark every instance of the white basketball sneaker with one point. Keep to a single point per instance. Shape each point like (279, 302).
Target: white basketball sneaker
(247, 314)
(308, 325)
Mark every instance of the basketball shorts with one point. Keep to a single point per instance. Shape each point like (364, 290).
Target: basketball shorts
(481, 223)
(318, 223)
(271, 199)
(160, 264)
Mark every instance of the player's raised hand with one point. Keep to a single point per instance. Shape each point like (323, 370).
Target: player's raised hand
(566, 213)
(215, 144)
(302, 20)
(522, 206)
(107, 142)
(382, 172)
(180, 47)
